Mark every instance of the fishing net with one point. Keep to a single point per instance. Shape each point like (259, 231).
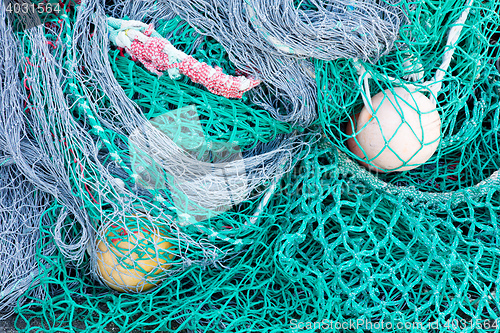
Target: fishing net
(22, 210)
(140, 200)
(157, 205)
(23, 206)
(435, 92)
(261, 36)
(336, 252)
(370, 257)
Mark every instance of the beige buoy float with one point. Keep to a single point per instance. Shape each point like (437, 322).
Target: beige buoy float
(402, 133)
(400, 129)
(133, 261)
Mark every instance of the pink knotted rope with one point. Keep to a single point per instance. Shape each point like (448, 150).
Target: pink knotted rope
(151, 55)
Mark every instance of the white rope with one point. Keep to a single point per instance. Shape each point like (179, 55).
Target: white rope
(434, 85)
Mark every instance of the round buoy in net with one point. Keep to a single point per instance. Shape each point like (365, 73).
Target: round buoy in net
(133, 261)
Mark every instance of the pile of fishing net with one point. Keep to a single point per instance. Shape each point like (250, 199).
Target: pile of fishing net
(248, 166)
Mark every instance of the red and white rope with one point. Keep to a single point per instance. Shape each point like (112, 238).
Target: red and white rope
(153, 53)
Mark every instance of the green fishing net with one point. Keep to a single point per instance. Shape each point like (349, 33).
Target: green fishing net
(467, 151)
(184, 190)
(323, 244)
(369, 256)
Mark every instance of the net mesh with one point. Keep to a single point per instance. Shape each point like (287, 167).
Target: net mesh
(466, 145)
(153, 205)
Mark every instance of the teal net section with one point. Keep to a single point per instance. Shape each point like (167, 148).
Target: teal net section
(368, 256)
(141, 201)
(465, 151)
(336, 252)
(150, 204)
(222, 119)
